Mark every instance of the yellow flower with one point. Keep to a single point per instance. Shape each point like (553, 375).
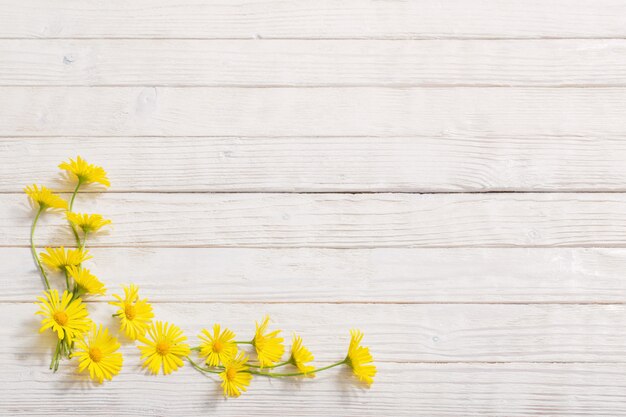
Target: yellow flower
(235, 377)
(269, 347)
(65, 316)
(86, 281)
(98, 353)
(219, 347)
(135, 314)
(360, 359)
(88, 223)
(44, 198)
(84, 172)
(59, 258)
(163, 348)
(300, 355)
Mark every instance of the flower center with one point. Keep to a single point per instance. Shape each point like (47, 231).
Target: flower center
(95, 354)
(130, 311)
(218, 346)
(162, 348)
(231, 374)
(60, 317)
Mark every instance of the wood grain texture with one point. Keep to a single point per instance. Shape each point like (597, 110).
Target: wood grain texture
(226, 127)
(334, 220)
(454, 275)
(448, 163)
(394, 332)
(400, 390)
(324, 19)
(367, 111)
(312, 63)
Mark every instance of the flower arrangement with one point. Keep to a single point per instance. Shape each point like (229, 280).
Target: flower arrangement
(163, 346)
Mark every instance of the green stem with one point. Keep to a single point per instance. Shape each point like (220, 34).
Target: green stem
(78, 291)
(268, 367)
(196, 349)
(34, 251)
(54, 365)
(201, 369)
(68, 348)
(297, 373)
(67, 279)
(70, 209)
(244, 343)
(82, 246)
(74, 195)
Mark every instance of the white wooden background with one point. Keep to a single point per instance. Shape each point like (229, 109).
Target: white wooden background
(447, 176)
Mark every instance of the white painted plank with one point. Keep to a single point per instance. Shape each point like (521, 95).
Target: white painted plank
(188, 393)
(320, 19)
(335, 220)
(458, 275)
(400, 390)
(472, 162)
(312, 63)
(394, 332)
(372, 111)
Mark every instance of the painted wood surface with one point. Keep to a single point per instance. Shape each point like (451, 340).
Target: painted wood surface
(379, 275)
(443, 389)
(351, 19)
(326, 111)
(334, 220)
(401, 333)
(470, 162)
(313, 63)
(447, 176)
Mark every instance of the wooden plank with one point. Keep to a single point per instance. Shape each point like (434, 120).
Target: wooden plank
(312, 63)
(400, 390)
(394, 332)
(414, 19)
(371, 111)
(474, 162)
(335, 220)
(457, 275)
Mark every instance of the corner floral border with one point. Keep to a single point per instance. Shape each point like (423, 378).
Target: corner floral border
(163, 345)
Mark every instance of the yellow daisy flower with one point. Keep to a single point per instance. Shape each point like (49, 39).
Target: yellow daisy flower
(135, 314)
(65, 316)
(218, 347)
(235, 377)
(44, 198)
(84, 172)
(88, 223)
(86, 281)
(269, 347)
(300, 355)
(98, 353)
(360, 359)
(59, 258)
(163, 348)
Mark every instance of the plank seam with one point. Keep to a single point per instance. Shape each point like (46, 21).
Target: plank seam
(391, 86)
(362, 247)
(329, 38)
(380, 191)
(425, 303)
(230, 136)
